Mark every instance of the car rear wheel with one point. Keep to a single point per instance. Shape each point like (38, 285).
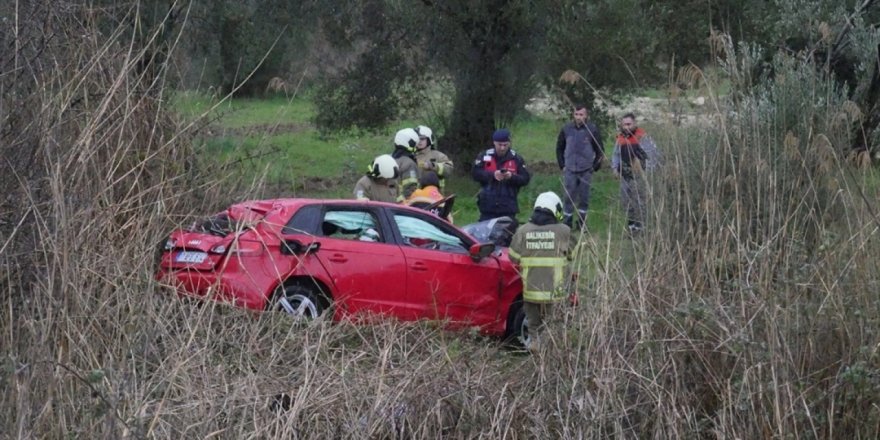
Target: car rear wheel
(517, 325)
(300, 302)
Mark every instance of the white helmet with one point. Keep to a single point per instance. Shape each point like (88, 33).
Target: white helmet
(384, 166)
(551, 202)
(426, 132)
(407, 139)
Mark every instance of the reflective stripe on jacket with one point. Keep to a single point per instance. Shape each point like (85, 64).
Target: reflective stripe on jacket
(442, 165)
(409, 176)
(542, 252)
(541, 292)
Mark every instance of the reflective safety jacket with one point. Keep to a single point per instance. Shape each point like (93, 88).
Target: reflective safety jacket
(440, 163)
(379, 189)
(542, 252)
(409, 172)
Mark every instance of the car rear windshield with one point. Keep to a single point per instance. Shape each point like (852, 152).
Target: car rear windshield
(227, 222)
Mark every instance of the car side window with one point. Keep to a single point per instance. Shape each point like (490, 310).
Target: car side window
(351, 225)
(418, 232)
(304, 221)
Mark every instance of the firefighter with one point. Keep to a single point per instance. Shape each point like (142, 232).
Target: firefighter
(541, 247)
(429, 159)
(380, 183)
(405, 143)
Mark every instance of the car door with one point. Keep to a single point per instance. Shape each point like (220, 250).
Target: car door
(366, 266)
(443, 281)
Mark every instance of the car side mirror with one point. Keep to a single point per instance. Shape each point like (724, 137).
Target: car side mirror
(481, 250)
(296, 247)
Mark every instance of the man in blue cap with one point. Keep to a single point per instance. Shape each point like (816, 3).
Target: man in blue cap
(501, 173)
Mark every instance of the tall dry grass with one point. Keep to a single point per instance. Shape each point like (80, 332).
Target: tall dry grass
(748, 311)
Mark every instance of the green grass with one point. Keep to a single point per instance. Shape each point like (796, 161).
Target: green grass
(239, 113)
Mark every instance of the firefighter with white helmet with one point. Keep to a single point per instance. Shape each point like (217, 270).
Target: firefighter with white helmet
(542, 249)
(380, 182)
(429, 159)
(406, 142)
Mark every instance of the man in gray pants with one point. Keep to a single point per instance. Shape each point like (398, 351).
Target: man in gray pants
(579, 152)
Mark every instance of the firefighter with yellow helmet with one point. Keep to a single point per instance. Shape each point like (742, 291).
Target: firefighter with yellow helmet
(429, 159)
(380, 182)
(542, 249)
(406, 142)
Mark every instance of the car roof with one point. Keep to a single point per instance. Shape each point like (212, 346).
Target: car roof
(270, 204)
(295, 203)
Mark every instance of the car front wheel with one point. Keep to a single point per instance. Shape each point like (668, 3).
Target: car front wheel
(517, 325)
(300, 302)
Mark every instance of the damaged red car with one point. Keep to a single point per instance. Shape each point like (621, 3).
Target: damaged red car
(306, 257)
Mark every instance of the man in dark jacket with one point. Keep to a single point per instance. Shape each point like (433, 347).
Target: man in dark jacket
(501, 173)
(579, 152)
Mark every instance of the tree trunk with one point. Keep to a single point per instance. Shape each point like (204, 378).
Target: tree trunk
(472, 121)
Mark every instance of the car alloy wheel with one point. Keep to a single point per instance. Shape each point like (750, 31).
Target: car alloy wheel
(299, 302)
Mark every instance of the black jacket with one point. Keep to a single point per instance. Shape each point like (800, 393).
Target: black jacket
(498, 198)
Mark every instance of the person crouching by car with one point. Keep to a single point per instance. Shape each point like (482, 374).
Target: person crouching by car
(428, 195)
(501, 173)
(541, 247)
(380, 182)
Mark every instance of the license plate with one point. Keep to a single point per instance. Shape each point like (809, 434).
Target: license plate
(190, 257)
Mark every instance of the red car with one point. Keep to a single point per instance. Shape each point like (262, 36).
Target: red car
(306, 256)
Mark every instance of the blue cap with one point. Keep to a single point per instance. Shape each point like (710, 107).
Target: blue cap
(501, 135)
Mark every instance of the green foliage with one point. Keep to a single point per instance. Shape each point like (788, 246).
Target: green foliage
(361, 97)
(240, 46)
(487, 50)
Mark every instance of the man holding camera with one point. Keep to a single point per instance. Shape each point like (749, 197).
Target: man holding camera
(501, 173)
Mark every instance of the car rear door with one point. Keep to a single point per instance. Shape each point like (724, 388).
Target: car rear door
(443, 281)
(367, 269)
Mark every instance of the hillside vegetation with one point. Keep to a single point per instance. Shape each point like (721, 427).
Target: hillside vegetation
(748, 310)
